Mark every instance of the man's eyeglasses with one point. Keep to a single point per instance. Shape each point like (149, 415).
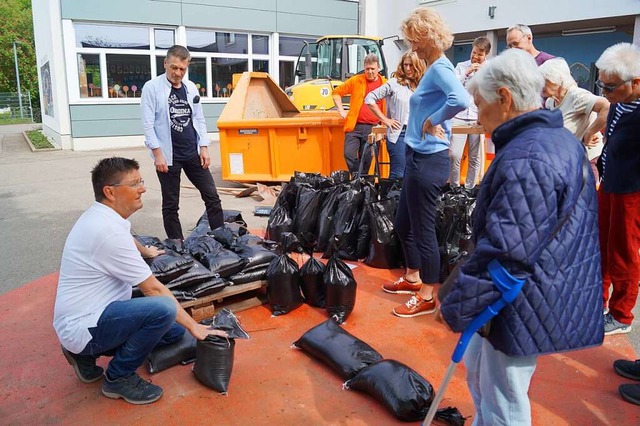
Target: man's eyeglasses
(610, 87)
(134, 185)
(516, 43)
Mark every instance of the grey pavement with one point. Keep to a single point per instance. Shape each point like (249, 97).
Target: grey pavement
(42, 194)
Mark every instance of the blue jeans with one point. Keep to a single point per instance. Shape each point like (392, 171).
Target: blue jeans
(130, 329)
(397, 157)
(415, 223)
(499, 384)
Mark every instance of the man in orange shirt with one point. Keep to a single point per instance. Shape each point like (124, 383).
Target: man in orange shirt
(359, 120)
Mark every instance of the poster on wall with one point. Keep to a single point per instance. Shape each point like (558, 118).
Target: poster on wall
(47, 93)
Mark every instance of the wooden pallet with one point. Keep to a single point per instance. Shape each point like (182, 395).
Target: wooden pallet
(235, 298)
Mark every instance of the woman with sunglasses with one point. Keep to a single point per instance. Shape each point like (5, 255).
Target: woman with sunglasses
(397, 92)
(584, 113)
(619, 192)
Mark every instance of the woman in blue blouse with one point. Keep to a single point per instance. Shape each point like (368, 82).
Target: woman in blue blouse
(437, 99)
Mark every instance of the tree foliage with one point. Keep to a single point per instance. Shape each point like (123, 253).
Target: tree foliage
(16, 24)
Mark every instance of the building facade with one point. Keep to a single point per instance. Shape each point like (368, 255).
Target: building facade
(93, 56)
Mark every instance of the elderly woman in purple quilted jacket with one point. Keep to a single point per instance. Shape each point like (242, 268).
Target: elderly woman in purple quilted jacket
(536, 214)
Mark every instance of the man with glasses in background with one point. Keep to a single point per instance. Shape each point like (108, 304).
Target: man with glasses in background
(519, 36)
(94, 314)
(176, 133)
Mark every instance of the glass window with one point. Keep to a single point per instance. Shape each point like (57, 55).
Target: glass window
(291, 46)
(160, 65)
(164, 38)
(126, 74)
(89, 75)
(222, 70)
(111, 36)
(198, 74)
(260, 65)
(201, 41)
(260, 44)
(287, 75)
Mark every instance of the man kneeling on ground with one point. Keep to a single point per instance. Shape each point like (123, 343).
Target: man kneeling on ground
(94, 313)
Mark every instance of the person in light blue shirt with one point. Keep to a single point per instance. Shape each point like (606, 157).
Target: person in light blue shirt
(397, 91)
(438, 98)
(176, 133)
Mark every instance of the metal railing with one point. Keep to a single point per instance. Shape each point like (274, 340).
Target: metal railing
(14, 108)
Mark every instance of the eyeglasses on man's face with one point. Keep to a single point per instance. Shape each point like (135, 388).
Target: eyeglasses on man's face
(135, 185)
(516, 44)
(610, 87)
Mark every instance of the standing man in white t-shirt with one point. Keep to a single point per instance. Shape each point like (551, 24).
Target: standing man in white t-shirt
(94, 314)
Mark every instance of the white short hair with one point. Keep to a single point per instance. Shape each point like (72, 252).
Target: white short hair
(520, 27)
(557, 71)
(514, 69)
(621, 60)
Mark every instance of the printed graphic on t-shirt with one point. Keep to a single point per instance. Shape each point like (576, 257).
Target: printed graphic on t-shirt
(179, 112)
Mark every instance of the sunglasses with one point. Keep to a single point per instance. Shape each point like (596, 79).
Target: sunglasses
(610, 87)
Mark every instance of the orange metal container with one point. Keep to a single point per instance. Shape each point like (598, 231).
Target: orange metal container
(264, 137)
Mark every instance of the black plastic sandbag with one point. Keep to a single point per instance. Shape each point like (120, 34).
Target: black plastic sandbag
(279, 222)
(163, 357)
(223, 262)
(340, 350)
(214, 362)
(147, 240)
(228, 233)
(201, 245)
(201, 289)
(364, 225)
(254, 255)
(385, 250)
(225, 320)
(196, 274)
(283, 286)
(326, 216)
(175, 244)
(454, 221)
(399, 388)
(307, 209)
(244, 277)
(346, 221)
(312, 283)
(341, 289)
(169, 265)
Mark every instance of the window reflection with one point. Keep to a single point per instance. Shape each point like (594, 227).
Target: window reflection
(260, 44)
(112, 36)
(217, 42)
(126, 74)
(164, 38)
(222, 70)
(261, 65)
(291, 46)
(198, 74)
(89, 75)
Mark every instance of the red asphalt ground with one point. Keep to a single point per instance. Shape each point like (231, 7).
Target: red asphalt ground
(273, 384)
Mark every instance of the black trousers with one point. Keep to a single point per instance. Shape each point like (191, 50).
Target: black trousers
(354, 143)
(170, 187)
(415, 222)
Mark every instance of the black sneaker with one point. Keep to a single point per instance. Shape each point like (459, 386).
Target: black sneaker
(132, 389)
(628, 369)
(630, 393)
(84, 366)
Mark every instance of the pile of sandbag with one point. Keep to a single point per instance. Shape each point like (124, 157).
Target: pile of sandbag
(332, 287)
(356, 213)
(209, 260)
(405, 393)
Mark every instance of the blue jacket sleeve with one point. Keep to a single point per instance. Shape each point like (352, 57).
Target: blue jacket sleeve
(518, 216)
(457, 96)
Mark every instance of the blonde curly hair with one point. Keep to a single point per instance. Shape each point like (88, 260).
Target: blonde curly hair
(425, 25)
